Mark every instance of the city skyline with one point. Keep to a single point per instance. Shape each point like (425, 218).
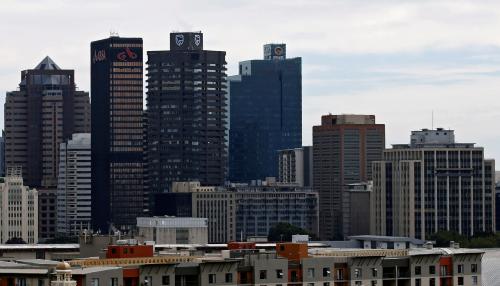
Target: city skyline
(359, 57)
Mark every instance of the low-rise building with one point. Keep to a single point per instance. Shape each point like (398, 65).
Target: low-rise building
(173, 230)
(241, 211)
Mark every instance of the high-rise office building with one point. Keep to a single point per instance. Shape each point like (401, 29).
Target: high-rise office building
(265, 101)
(45, 111)
(344, 147)
(117, 133)
(74, 188)
(18, 208)
(186, 114)
(433, 184)
(295, 166)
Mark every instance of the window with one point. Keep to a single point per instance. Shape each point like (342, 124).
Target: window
(310, 272)
(418, 282)
(229, 277)
(212, 279)
(460, 281)
(358, 283)
(374, 272)
(326, 272)
(165, 280)
(21, 281)
(418, 270)
(357, 273)
(95, 282)
(279, 273)
(432, 269)
(473, 268)
(460, 268)
(148, 280)
(444, 270)
(474, 280)
(374, 282)
(263, 274)
(114, 281)
(310, 284)
(432, 282)
(326, 284)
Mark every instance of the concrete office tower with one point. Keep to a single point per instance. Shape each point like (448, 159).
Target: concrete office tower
(344, 147)
(186, 114)
(265, 113)
(295, 166)
(117, 133)
(433, 184)
(45, 111)
(74, 188)
(18, 209)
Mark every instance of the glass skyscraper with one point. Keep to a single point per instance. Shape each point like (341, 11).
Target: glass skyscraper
(265, 101)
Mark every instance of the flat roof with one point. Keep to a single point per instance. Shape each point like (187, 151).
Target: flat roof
(73, 246)
(87, 270)
(387, 238)
(23, 271)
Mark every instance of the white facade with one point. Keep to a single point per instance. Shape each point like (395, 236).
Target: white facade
(74, 188)
(173, 230)
(295, 166)
(19, 208)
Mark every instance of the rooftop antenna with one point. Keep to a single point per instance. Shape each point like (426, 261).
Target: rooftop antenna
(432, 123)
(113, 33)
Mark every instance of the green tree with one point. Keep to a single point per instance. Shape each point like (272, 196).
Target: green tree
(283, 231)
(15, 240)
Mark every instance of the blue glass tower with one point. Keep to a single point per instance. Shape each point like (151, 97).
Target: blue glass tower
(265, 102)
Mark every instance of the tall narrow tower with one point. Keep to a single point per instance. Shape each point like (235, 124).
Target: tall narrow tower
(116, 139)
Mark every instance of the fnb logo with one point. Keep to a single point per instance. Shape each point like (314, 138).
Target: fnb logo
(126, 55)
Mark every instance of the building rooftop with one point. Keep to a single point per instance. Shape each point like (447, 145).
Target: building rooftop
(387, 238)
(47, 64)
(72, 246)
(88, 270)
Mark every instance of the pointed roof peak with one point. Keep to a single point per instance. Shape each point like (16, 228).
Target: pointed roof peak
(47, 64)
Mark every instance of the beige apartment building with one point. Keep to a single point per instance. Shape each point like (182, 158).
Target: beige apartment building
(18, 209)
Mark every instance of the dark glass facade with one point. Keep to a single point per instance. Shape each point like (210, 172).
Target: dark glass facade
(265, 114)
(186, 114)
(117, 132)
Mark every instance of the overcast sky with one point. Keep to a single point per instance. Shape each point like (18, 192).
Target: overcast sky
(399, 60)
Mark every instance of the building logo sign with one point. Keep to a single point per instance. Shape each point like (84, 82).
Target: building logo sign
(126, 55)
(278, 51)
(179, 39)
(99, 56)
(197, 39)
